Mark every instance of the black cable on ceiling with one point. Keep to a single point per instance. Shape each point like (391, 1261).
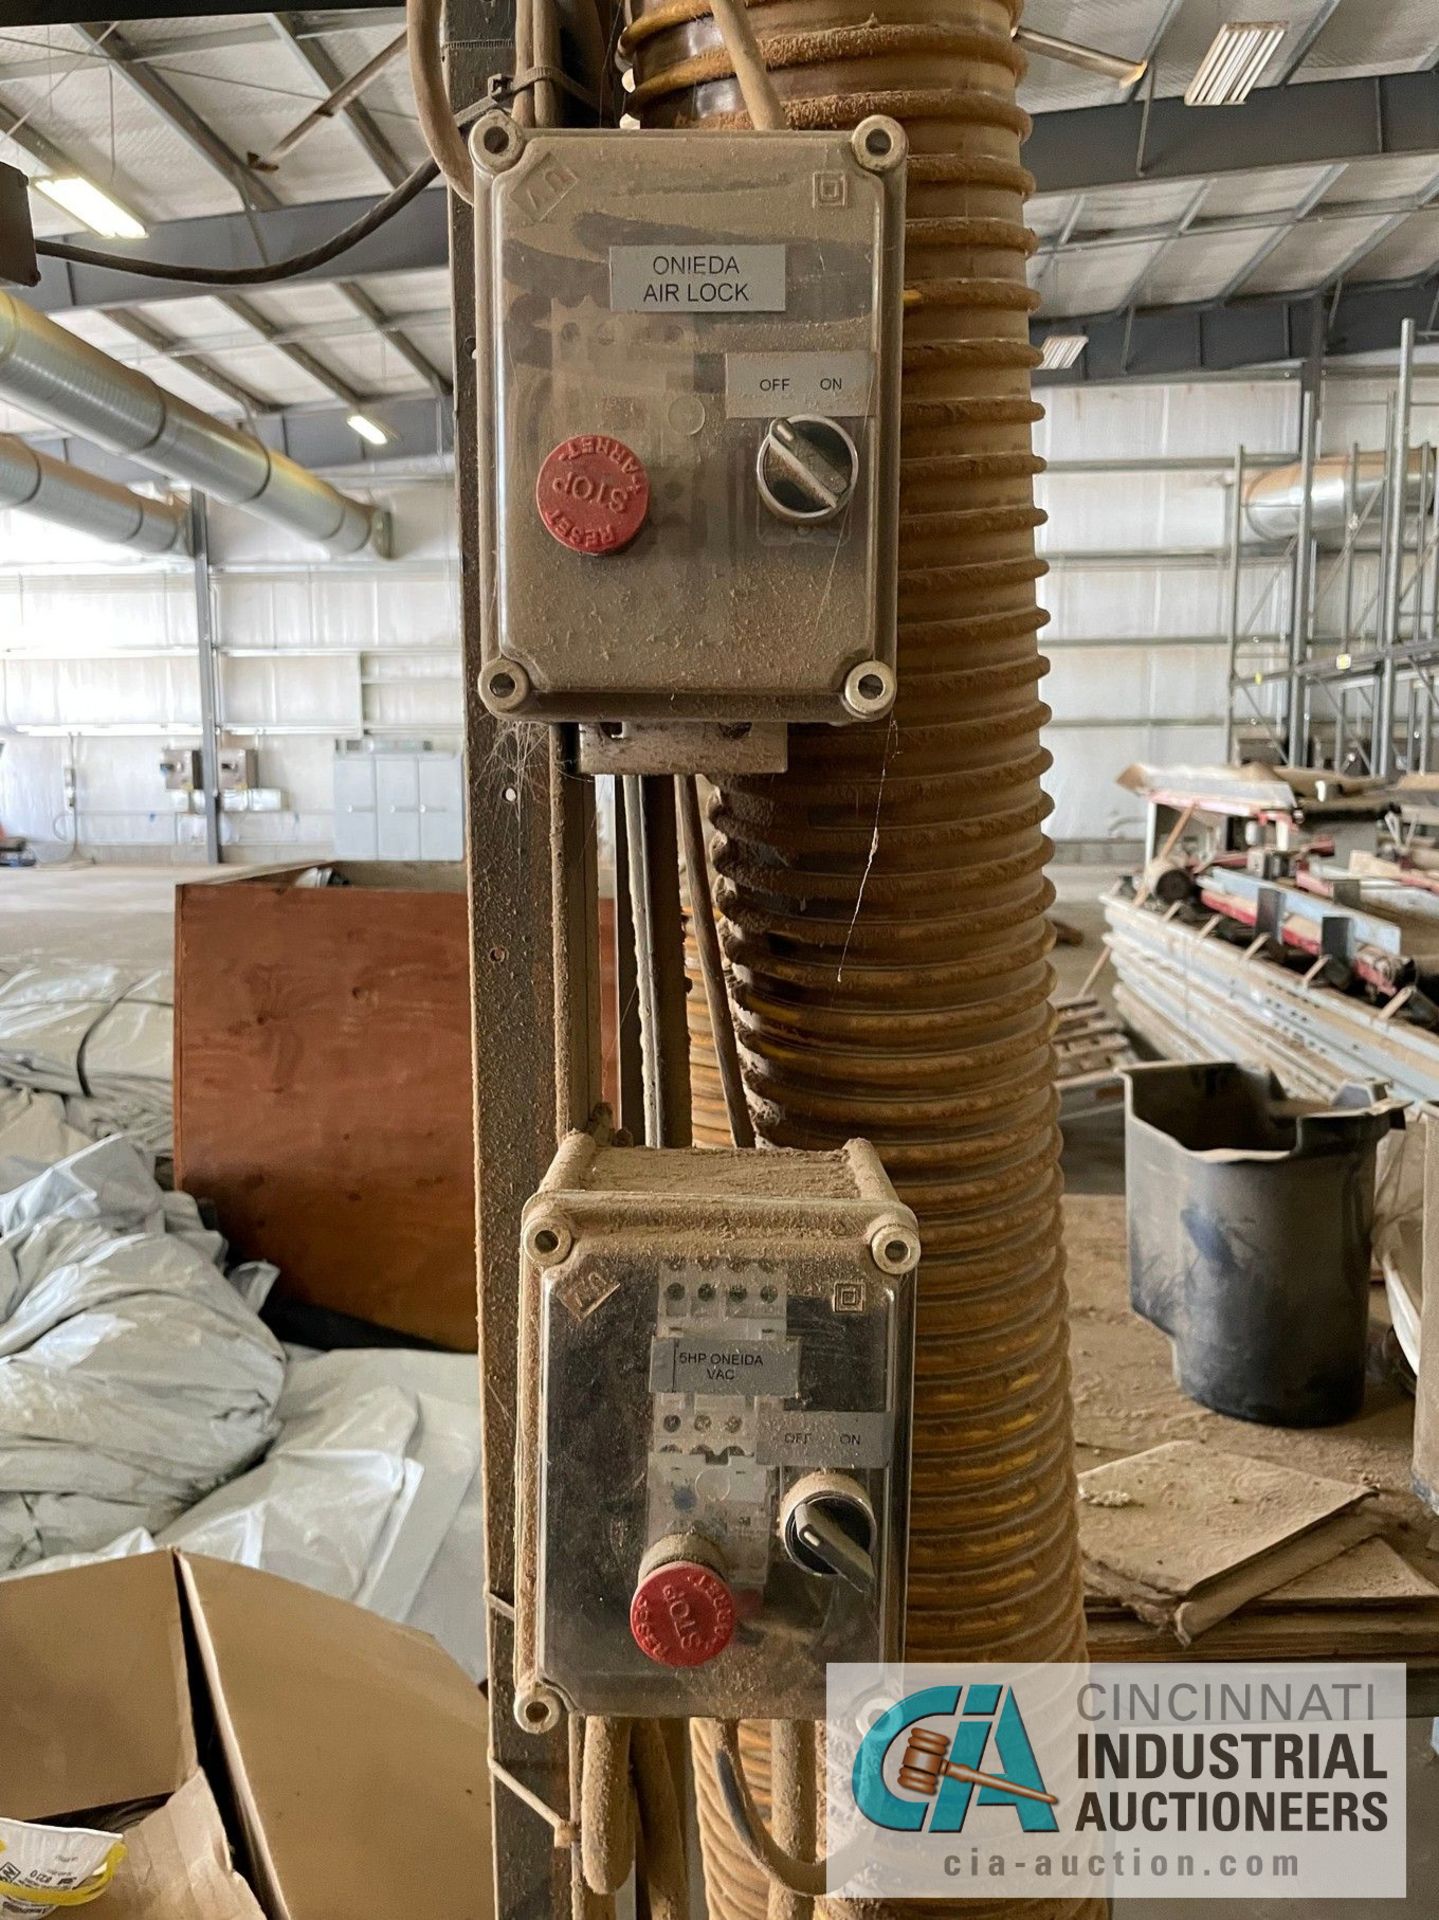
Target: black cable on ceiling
(257, 276)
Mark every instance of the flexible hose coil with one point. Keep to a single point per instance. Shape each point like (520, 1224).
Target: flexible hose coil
(883, 902)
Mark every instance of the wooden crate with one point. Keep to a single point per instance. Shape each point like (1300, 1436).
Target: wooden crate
(323, 1085)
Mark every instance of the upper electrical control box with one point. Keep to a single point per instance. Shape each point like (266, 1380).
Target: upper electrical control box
(688, 392)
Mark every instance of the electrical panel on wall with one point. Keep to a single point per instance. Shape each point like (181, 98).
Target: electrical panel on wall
(714, 1429)
(689, 387)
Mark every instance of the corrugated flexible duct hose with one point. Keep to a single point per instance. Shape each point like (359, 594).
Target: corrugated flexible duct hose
(884, 900)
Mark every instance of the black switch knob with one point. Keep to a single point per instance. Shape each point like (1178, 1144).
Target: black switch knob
(827, 1525)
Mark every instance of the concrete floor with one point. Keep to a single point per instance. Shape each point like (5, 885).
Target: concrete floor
(1094, 1163)
(124, 914)
(118, 913)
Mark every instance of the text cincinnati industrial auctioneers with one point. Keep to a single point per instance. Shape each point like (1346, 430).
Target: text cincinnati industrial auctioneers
(1147, 1779)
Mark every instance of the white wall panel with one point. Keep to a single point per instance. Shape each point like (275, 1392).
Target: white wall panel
(306, 643)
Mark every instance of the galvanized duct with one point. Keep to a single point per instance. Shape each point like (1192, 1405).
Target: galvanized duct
(34, 483)
(884, 901)
(1342, 485)
(67, 381)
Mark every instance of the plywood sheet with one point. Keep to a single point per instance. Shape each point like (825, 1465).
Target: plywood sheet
(323, 1091)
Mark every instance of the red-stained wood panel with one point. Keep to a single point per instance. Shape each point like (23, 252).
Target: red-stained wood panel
(323, 1090)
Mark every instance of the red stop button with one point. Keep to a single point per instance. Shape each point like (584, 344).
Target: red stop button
(682, 1614)
(593, 493)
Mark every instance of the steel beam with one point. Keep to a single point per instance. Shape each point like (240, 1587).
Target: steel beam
(308, 26)
(1164, 342)
(140, 327)
(61, 13)
(324, 67)
(416, 242)
(208, 674)
(1310, 125)
(176, 112)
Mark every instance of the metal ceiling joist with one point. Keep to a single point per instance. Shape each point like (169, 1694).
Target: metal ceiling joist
(322, 65)
(1181, 341)
(403, 345)
(177, 112)
(61, 13)
(50, 61)
(418, 241)
(245, 311)
(1309, 125)
(257, 195)
(140, 327)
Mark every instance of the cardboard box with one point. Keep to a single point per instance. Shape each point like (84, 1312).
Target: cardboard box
(342, 1758)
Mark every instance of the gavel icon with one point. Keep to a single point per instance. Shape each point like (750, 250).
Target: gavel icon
(926, 1762)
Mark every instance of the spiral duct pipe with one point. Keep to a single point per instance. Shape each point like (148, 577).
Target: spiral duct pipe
(32, 482)
(884, 900)
(74, 385)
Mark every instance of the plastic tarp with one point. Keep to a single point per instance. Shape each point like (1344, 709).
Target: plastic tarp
(133, 1377)
(97, 1035)
(137, 1383)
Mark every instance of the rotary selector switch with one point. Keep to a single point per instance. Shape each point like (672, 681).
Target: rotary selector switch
(807, 469)
(683, 1612)
(827, 1526)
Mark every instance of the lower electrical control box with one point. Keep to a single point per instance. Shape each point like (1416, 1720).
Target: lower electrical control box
(713, 1462)
(688, 367)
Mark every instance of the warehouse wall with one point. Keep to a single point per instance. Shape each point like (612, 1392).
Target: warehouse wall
(315, 650)
(1138, 589)
(97, 673)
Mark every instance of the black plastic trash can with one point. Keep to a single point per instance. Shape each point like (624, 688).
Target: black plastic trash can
(1250, 1217)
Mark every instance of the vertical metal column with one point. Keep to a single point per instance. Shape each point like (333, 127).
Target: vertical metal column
(1351, 543)
(1236, 581)
(1300, 609)
(1394, 556)
(208, 674)
(530, 849)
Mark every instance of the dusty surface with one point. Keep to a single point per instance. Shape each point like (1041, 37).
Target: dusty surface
(1125, 1399)
(1191, 1513)
(1371, 1574)
(121, 914)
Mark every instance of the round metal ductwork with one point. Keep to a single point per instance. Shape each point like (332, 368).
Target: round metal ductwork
(1272, 501)
(76, 386)
(32, 482)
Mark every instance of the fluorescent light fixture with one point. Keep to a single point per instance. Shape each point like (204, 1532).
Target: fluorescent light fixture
(94, 209)
(362, 424)
(1230, 71)
(1060, 350)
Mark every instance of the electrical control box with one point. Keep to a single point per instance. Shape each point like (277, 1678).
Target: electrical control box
(18, 265)
(688, 389)
(716, 1376)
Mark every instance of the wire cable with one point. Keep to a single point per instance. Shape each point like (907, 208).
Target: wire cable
(762, 102)
(294, 264)
(424, 19)
(722, 1023)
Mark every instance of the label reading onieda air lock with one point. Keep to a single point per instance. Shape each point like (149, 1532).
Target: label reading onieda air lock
(690, 276)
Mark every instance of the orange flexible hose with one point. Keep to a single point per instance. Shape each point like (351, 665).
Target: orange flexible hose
(884, 901)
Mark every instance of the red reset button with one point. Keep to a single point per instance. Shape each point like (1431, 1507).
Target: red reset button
(682, 1614)
(593, 493)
